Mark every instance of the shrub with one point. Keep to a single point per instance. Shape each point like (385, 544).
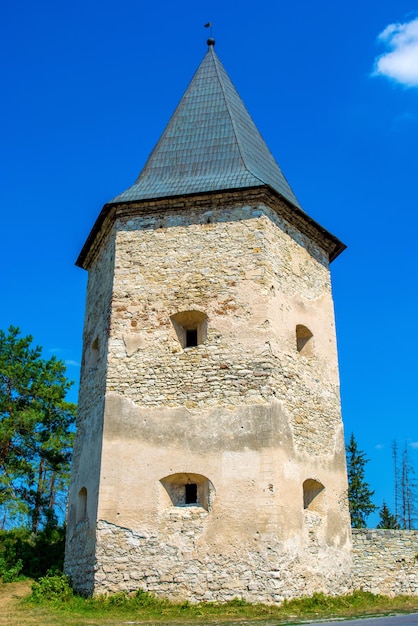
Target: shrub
(10, 573)
(53, 587)
(34, 554)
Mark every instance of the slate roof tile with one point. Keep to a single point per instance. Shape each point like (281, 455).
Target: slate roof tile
(210, 144)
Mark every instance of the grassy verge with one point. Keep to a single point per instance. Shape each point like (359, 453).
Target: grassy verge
(50, 608)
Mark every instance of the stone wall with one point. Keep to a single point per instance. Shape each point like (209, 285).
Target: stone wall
(81, 533)
(385, 561)
(255, 278)
(248, 410)
(171, 560)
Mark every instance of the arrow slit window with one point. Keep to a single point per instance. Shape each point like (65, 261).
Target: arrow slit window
(190, 328)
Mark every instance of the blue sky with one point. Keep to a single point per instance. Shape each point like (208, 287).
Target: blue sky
(333, 87)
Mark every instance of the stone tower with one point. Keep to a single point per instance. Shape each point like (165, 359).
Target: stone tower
(209, 459)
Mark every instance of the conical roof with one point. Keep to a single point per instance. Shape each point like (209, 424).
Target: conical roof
(210, 144)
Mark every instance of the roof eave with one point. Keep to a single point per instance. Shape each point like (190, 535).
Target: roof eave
(296, 216)
(335, 246)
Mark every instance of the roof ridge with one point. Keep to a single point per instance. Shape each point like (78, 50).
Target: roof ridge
(228, 108)
(233, 122)
(166, 128)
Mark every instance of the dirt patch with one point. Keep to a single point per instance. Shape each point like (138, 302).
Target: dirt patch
(10, 593)
(14, 612)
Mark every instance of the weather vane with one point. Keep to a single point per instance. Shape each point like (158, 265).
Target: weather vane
(210, 41)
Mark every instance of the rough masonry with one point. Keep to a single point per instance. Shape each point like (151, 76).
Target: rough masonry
(386, 561)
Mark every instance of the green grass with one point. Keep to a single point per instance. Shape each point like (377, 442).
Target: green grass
(53, 597)
(51, 602)
(144, 607)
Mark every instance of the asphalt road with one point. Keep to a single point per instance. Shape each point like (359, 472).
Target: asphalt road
(394, 620)
(411, 619)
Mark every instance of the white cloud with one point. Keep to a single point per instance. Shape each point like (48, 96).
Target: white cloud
(379, 446)
(414, 444)
(400, 63)
(70, 362)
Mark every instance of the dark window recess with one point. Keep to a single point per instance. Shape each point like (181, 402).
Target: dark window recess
(191, 337)
(191, 494)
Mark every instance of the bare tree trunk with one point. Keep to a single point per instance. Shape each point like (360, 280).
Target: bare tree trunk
(408, 491)
(36, 515)
(51, 502)
(396, 477)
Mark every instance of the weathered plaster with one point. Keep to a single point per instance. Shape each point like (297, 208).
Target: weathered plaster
(245, 410)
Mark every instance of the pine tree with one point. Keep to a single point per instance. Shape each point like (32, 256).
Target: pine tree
(359, 492)
(36, 431)
(387, 519)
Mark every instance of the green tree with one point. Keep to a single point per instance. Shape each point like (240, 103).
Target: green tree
(36, 431)
(359, 492)
(387, 519)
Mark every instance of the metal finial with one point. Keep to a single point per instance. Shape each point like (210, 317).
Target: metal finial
(210, 41)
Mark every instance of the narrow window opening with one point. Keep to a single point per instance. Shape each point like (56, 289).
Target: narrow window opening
(191, 493)
(190, 328)
(304, 340)
(82, 504)
(313, 492)
(191, 337)
(186, 489)
(93, 354)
